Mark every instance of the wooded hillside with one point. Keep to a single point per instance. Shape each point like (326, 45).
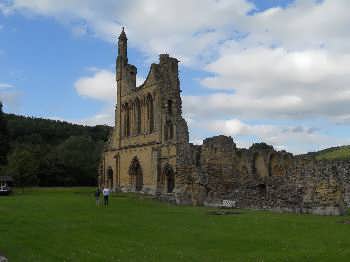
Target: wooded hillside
(46, 152)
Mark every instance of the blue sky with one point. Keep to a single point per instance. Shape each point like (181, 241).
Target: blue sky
(273, 71)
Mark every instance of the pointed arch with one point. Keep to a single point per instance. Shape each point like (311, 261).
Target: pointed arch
(137, 116)
(110, 172)
(150, 113)
(168, 130)
(135, 175)
(126, 116)
(169, 175)
(110, 177)
(170, 107)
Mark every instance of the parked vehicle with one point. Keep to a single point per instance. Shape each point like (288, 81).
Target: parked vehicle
(5, 185)
(5, 190)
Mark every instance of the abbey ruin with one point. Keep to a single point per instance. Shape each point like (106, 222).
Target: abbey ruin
(149, 152)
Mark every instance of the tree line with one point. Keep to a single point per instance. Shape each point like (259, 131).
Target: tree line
(42, 152)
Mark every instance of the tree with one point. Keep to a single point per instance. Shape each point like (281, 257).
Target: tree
(23, 166)
(4, 139)
(65, 154)
(80, 157)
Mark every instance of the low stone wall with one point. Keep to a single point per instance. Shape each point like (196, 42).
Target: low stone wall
(263, 178)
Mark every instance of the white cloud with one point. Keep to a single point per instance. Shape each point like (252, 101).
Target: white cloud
(105, 117)
(5, 85)
(100, 86)
(275, 83)
(305, 24)
(9, 96)
(297, 139)
(284, 63)
(153, 25)
(140, 80)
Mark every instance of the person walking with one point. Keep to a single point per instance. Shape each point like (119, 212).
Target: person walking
(97, 196)
(105, 192)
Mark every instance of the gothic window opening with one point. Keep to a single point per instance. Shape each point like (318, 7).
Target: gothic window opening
(110, 176)
(138, 116)
(117, 171)
(168, 131)
(170, 107)
(150, 113)
(169, 176)
(126, 120)
(135, 175)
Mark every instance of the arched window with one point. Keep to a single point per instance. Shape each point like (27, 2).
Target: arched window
(128, 125)
(135, 175)
(137, 116)
(171, 131)
(124, 113)
(110, 177)
(150, 113)
(168, 130)
(168, 174)
(127, 120)
(110, 173)
(170, 107)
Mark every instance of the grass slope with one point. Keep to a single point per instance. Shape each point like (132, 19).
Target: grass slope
(334, 153)
(65, 225)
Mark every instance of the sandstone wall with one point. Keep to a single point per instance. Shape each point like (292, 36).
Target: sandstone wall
(263, 178)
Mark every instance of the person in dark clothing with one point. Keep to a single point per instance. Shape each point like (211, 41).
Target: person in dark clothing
(97, 196)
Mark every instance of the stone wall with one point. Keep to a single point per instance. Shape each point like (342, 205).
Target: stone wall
(263, 178)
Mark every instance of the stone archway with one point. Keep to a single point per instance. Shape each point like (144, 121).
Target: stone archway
(135, 174)
(110, 177)
(169, 175)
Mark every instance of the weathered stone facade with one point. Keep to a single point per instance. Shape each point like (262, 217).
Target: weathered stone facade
(149, 151)
(263, 178)
(142, 153)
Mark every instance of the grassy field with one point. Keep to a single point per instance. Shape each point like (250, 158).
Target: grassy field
(65, 225)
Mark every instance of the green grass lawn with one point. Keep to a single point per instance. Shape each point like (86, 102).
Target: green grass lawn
(65, 225)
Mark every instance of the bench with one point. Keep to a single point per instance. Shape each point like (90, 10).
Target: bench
(228, 203)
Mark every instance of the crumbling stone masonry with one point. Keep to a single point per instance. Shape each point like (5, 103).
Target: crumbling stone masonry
(263, 178)
(149, 152)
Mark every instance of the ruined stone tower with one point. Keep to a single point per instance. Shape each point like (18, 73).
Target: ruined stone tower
(142, 151)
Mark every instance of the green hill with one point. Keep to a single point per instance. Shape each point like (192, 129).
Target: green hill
(47, 152)
(333, 153)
